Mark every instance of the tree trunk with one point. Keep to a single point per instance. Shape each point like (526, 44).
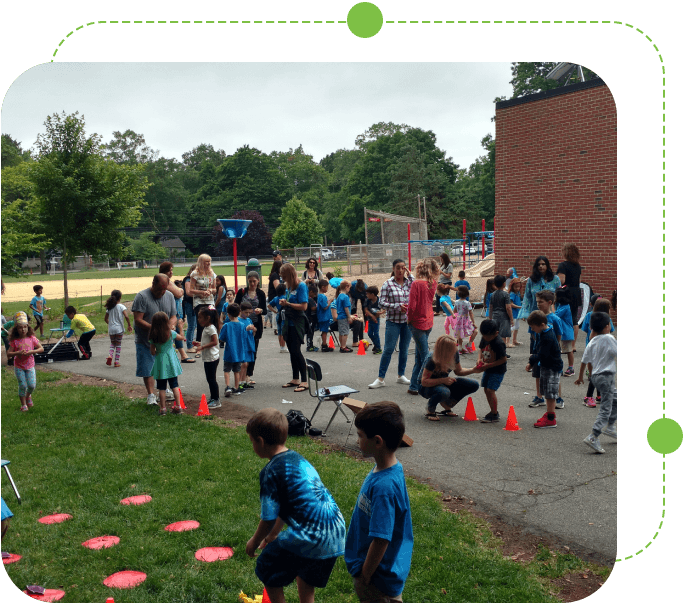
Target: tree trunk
(64, 267)
(43, 267)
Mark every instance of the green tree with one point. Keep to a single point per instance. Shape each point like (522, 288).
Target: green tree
(85, 200)
(129, 148)
(12, 153)
(299, 226)
(378, 130)
(145, 248)
(22, 230)
(303, 174)
(530, 78)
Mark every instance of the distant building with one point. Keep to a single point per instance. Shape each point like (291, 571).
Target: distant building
(174, 247)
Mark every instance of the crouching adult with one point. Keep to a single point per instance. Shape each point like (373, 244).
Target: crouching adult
(437, 386)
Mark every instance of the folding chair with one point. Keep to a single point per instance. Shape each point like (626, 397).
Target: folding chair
(5, 463)
(334, 394)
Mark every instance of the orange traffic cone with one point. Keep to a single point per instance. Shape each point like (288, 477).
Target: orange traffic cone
(470, 415)
(203, 409)
(365, 329)
(472, 347)
(182, 402)
(331, 343)
(264, 597)
(361, 351)
(512, 421)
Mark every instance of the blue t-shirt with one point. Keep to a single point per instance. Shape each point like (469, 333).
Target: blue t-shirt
(586, 326)
(341, 302)
(463, 282)
(515, 299)
(382, 510)
(298, 296)
(34, 305)
(335, 282)
(239, 344)
(487, 297)
(322, 312)
(446, 300)
(564, 313)
(292, 490)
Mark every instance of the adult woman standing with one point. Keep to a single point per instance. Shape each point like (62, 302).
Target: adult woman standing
(569, 272)
(419, 315)
(311, 273)
(445, 272)
(394, 296)
(542, 278)
(202, 289)
(257, 298)
(294, 325)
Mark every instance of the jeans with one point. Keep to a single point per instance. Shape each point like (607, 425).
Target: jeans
(607, 415)
(374, 333)
(461, 388)
(192, 322)
(393, 332)
(422, 351)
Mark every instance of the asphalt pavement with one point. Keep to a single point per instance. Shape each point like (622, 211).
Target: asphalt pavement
(547, 481)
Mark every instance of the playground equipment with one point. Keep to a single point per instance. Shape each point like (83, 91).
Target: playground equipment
(234, 229)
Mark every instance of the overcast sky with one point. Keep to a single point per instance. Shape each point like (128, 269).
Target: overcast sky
(270, 106)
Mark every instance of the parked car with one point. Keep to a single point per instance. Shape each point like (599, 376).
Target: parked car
(340, 254)
(324, 253)
(469, 249)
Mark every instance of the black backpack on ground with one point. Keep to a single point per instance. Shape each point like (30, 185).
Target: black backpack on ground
(298, 423)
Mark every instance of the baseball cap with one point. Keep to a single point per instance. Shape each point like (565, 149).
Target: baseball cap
(276, 253)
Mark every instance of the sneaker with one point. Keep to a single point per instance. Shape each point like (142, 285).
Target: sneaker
(117, 364)
(490, 418)
(569, 372)
(169, 394)
(610, 430)
(240, 390)
(109, 361)
(312, 349)
(377, 350)
(589, 401)
(29, 402)
(378, 383)
(326, 349)
(560, 403)
(24, 408)
(594, 443)
(228, 391)
(598, 399)
(545, 422)
(212, 404)
(236, 392)
(537, 401)
(85, 356)
(152, 399)
(283, 349)
(248, 386)
(176, 410)
(402, 379)
(413, 392)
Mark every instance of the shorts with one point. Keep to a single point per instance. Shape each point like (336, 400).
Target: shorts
(516, 325)
(324, 326)
(173, 383)
(39, 319)
(566, 346)
(229, 367)
(343, 326)
(535, 370)
(277, 567)
(144, 361)
(370, 593)
(492, 380)
(549, 381)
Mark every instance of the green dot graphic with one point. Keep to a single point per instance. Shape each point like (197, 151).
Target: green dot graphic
(364, 20)
(664, 435)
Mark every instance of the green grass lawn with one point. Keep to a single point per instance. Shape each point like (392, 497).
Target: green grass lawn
(81, 449)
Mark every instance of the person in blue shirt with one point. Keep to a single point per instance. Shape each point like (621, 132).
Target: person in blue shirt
(294, 326)
(567, 342)
(461, 281)
(379, 542)
(516, 305)
(38, 307)
(239, 346)
(292, 494)
(344, 316)
(324, 314)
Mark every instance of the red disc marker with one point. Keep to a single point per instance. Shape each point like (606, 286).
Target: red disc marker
(183, 525)
(12, 558)
(50, 595)
(212, 554)
(125, 579)
(101, 542)
(136, 500)
(55, 518)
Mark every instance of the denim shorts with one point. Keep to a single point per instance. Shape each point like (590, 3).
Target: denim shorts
(277, 567)
(492, 380)
(143, 361)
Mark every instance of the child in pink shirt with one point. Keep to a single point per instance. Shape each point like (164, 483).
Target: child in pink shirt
(23, 345)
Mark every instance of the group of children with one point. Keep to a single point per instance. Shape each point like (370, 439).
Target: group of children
(378, 545)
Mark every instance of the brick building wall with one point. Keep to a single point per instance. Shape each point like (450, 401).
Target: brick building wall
(556, 181)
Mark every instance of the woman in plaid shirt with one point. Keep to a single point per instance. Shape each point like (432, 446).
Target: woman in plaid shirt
(394, 299)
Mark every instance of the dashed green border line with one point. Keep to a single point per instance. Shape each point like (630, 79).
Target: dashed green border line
(632, 27)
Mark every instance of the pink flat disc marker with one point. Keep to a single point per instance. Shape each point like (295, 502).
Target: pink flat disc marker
(136, 500)
(212, 554)
(125, 579)
(55, 518)
(183, 525)
(50, 595)
(101, 542)
(12, 558)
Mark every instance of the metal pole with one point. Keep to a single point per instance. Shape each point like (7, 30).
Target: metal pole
(409, 244)
(464, 243)
(365, 224)
(483, 238)
(418, 209)
(235, 262)
(425, 218)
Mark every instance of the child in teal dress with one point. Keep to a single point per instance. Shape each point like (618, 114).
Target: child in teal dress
(166, 364)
